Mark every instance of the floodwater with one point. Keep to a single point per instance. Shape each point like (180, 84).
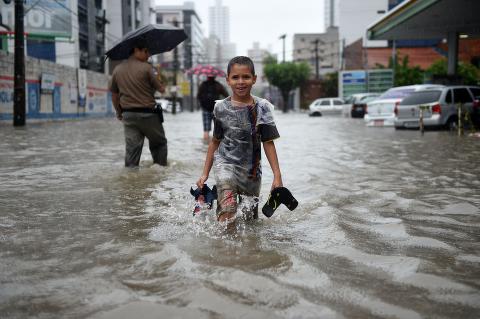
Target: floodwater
(388, 226)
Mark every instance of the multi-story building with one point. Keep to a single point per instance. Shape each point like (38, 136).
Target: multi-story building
(121, 19)
(51, 27)
(354, 18)
(76, 33)
(219, 27)
(191, 51)
(258, 54)
(318, 49)
(91, 34)
(219, 21)
(213, 51)
(331, 13)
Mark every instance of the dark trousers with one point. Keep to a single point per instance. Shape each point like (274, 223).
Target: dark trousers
(137, 126)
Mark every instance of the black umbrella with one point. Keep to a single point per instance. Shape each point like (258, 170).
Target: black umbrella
(158, 37)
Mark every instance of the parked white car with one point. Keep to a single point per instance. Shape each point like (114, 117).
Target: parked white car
(329, 105)
(381, 112)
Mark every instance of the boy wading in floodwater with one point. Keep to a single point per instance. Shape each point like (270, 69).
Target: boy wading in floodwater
(241, 123)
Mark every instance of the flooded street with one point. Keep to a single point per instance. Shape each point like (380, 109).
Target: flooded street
(388, 226)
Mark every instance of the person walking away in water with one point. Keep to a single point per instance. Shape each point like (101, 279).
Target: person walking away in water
(209, 91)
(133, 86)
(242, 123)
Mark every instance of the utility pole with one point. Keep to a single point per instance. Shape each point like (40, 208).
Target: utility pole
(19, 65)
(394, 59)
(317, 76)
(283, 38)
(175, 69)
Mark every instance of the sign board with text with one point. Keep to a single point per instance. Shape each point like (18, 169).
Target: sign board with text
(47, 83)
(364, 81)
(46, 17)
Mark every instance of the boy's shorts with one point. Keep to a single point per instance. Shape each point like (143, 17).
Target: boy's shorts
(207, 118)
(229, 197)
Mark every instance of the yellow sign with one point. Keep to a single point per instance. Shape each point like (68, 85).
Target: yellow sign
(185, 88)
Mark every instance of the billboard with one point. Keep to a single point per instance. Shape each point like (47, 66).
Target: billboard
(363, 81)
(45, 17)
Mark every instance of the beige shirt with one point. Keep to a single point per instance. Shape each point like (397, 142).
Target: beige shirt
(136, 83)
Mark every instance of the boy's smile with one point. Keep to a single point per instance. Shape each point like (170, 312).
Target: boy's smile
(240, 79)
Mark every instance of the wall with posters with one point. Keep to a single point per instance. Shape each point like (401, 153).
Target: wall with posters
(54, 91)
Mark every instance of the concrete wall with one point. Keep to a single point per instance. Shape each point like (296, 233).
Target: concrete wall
(64, 101)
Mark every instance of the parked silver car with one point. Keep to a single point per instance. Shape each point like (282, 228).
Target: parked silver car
(380, 112)
(439, 107)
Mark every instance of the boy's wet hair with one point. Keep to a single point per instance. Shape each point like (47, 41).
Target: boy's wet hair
(242, 60)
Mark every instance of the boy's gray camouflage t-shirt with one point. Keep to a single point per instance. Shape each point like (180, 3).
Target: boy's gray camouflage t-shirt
(241, 130)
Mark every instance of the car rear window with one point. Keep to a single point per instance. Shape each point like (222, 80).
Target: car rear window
(461, 96)
(476, 93)
(421, 97)
(367, 99)
(396, 93)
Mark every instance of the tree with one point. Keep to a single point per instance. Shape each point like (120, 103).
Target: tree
(403, 73)
(330, 84)
(286, 76)
(468, 72)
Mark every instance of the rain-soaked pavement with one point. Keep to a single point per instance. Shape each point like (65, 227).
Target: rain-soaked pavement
(388, 226)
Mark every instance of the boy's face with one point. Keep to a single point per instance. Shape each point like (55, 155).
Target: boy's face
(241, 80)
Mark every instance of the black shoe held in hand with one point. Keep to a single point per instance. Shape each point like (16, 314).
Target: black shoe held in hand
(279, 195)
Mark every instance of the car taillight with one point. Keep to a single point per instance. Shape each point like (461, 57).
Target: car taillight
(366, 108)
(476, 104)
(395, 110)
(437, 109)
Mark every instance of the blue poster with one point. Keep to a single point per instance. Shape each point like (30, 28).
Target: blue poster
(57, 101)
(33, 98)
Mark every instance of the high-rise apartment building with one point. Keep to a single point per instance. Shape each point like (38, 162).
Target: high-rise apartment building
(219, 21)
(219, 27)
(331, 13)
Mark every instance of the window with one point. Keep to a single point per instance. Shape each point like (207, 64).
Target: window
(476, 93)
(396, 93)
(461, 96)
(421, 97)
(448, 98)
(325, 102)
(368, 98)
(337, 102)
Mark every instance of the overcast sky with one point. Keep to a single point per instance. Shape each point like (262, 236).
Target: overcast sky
(264, 21)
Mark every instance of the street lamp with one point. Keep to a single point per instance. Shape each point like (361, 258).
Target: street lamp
(283, 38)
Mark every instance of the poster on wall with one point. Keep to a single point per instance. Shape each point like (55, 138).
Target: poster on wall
(41, 16)
(97, 101)
(47, 83)
(6, 96)
(73, 92)
(82, 87)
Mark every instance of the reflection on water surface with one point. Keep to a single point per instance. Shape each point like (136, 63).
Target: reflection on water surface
(388, 226)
